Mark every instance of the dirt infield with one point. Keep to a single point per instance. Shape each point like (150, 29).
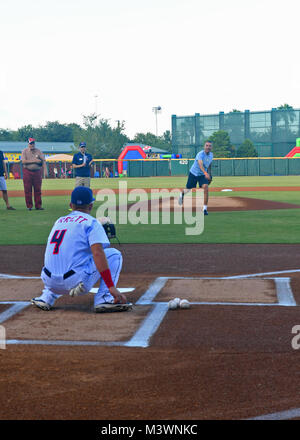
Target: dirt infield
(208, 362)
(229, 356)
(64, 192)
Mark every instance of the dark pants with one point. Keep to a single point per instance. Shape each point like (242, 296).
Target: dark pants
(32, 179)
(193, 180)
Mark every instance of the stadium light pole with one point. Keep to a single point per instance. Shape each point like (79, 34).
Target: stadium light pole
(96, 104)
(156, 110)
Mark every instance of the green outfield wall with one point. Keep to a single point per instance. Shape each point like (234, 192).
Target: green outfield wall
(261, 166)
(220, 167)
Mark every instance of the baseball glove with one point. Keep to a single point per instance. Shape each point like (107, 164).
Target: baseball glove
(109, 228)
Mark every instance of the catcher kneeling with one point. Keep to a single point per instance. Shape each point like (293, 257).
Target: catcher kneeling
(77, 255)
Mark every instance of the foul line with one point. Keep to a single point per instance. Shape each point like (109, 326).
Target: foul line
(282, 415)
(17, 277)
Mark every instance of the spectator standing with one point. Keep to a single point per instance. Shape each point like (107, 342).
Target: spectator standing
(3, 176)
(82, 162)
(33, 161)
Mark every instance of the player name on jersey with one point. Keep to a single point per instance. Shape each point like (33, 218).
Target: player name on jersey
(72, 219)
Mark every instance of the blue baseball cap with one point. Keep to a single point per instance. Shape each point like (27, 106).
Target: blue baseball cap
(82, 195)
(82, 144)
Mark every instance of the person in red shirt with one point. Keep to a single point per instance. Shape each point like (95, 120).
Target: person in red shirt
(33, 161)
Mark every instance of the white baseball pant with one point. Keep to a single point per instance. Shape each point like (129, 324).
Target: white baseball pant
(55, 286)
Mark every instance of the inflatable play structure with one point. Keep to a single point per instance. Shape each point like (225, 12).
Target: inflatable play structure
(140, 151)
(295, 152)
(129, 152)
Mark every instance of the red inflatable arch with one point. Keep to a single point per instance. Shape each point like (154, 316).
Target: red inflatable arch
(130, 152)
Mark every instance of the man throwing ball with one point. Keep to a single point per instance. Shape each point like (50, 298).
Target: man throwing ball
(200, 173)
(78, 254)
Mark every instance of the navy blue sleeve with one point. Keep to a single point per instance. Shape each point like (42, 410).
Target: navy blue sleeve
(75, 159)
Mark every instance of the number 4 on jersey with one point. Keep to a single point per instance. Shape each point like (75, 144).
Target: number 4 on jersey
(57, 239)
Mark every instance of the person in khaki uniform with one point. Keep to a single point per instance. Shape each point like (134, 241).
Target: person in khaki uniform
(82, 165)
(3, 187)
(33, 161)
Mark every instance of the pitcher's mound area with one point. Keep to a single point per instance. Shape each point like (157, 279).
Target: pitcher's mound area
(213, 290)
(215, 203)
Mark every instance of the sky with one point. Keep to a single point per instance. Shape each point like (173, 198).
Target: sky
(63, 59)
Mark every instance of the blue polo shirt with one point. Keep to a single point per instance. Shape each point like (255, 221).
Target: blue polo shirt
(78, 160)
(206, 159)
(1, 164)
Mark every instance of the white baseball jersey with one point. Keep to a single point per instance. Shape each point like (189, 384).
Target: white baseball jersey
(70, 240)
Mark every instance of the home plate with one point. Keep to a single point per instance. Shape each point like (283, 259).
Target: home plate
(121, 289)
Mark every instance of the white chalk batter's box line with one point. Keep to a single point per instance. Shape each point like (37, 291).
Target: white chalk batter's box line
(154, 318)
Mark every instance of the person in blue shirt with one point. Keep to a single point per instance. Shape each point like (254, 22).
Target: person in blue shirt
(3, 176)
(81, 163)
(200, 172)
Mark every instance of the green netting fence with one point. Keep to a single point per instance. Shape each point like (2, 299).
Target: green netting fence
(273, 166)
(273, 132)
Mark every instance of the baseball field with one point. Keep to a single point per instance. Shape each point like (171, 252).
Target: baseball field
(257, 210)
(233, 355)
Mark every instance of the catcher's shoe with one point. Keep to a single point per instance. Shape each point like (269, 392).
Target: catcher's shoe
(180, 199)
(112, 307)
(78, 290)
(40, 304)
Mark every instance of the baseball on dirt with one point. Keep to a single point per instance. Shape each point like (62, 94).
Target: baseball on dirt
(172, 305)
(184, 304)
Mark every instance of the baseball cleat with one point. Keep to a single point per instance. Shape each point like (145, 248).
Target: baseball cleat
(112, 307)
(180, 199)
(40, 304)
(78, 290)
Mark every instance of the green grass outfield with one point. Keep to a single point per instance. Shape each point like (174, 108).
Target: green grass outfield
(270, 226)
(166, 182)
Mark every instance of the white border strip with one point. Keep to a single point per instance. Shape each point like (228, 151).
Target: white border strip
(262, 274)
(17, 277)
(121, 289)
(149, 326)
(16, 307)
(153, 290)
(283, 415)
(284, 292)
(60, 342)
